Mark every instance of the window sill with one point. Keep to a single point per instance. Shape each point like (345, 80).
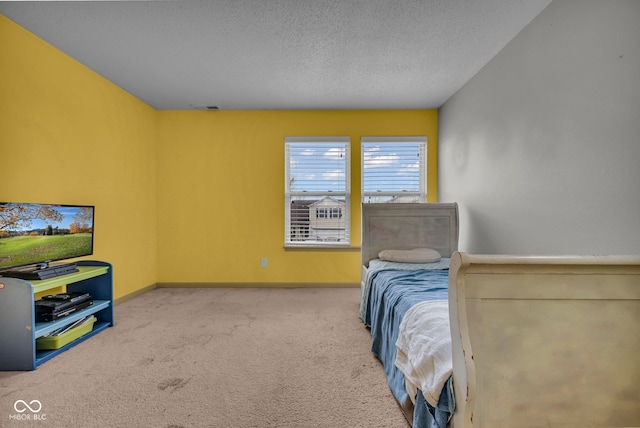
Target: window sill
(345, 248)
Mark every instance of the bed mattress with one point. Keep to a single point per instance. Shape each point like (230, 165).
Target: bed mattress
(390, 291)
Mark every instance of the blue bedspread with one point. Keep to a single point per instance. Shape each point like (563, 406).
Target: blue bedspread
(394, 293)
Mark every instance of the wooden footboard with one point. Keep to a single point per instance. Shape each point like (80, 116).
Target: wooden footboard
(545, 341)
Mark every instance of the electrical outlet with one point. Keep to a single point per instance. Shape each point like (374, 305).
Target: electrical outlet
(263, 262)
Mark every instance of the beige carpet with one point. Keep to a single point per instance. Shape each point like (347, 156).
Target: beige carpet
(215, 358)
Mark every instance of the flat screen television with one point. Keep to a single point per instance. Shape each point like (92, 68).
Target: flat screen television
(36, 234)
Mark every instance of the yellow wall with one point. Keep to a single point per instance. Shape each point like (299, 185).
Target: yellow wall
(175, 191)
(69, 136)
(217, 169)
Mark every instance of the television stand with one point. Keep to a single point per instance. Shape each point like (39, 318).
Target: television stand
(18, 331)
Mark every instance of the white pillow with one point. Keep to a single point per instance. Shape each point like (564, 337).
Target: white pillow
(416, 255)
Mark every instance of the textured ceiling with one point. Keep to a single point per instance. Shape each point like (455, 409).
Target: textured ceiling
(281, 54)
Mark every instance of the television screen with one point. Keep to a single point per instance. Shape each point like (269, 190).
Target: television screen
(40, 233)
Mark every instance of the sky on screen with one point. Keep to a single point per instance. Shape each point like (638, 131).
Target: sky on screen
(67, 218)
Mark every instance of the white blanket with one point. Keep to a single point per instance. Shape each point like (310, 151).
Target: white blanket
(424, 349)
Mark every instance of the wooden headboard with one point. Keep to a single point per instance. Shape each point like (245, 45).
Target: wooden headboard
(406, 226)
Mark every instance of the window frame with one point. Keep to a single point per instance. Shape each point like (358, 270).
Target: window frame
(293, 238)
(420, 194)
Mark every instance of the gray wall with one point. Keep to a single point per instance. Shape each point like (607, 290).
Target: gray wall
(541, 148)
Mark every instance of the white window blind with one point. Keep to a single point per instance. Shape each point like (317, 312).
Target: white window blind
(317, 191)
(394, 169)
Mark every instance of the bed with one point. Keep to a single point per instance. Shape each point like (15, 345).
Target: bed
(534, 341)
(392, 290)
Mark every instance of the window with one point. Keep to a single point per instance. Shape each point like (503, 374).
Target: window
(394, 169)
(317, 191)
